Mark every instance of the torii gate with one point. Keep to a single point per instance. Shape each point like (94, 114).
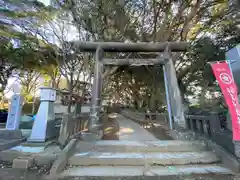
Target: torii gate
(174, 101)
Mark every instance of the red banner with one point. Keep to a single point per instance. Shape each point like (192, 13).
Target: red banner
(228, 86)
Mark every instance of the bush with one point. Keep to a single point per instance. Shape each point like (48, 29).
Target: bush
(27, 108)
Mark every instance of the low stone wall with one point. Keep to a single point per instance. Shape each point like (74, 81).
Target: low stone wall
(133, 115)
(59, 108)
(2, 125)
(140, 117)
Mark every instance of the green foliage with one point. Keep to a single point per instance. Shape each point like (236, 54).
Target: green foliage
(204, 24)
(27, 107)
(27, 9)
(7, 54)
(201, 23)
(33, 53)
(207, 49)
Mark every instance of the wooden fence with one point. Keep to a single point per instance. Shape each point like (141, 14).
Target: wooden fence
(72, 125)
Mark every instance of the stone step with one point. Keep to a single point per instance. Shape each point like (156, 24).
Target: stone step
(141, 146)
(104, 172)
(138, 159)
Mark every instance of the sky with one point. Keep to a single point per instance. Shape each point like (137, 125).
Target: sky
(46, 2)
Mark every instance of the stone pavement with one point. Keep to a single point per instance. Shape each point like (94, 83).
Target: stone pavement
(132, 131)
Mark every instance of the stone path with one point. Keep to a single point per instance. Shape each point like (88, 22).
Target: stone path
(132, 131)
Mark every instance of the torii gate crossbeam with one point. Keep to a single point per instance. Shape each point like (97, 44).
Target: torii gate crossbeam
(130, 47)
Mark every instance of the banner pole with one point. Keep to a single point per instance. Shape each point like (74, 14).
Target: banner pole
(230, 67)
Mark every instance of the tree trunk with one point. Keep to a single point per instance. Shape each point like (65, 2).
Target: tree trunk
(34, 100)
(70, 96)
(69, 110)
(152, 101)
(136, 104)
(154, 92)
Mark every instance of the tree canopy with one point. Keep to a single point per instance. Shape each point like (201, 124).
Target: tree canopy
(205, 24)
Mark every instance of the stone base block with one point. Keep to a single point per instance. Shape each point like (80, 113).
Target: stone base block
(23, 162)
(10, 134)
(182, 135)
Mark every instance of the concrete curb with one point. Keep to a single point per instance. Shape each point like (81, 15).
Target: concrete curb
(61, 161)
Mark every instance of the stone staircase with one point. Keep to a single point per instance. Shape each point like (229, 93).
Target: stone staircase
(142, 160)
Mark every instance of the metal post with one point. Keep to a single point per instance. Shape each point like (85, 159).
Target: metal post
(229, 64)
(168, 99)
(96, 92)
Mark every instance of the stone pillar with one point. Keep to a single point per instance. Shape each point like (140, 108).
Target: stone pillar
(175, 95)
(65, 130)
(78, 108)
(44, 115)
(14, 113)
(12, 131)
(96, 92)
(174, 92)
(168, 99)
(237, 148)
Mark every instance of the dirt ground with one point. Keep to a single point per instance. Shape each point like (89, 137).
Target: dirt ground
(158, 131)
(35, 173)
